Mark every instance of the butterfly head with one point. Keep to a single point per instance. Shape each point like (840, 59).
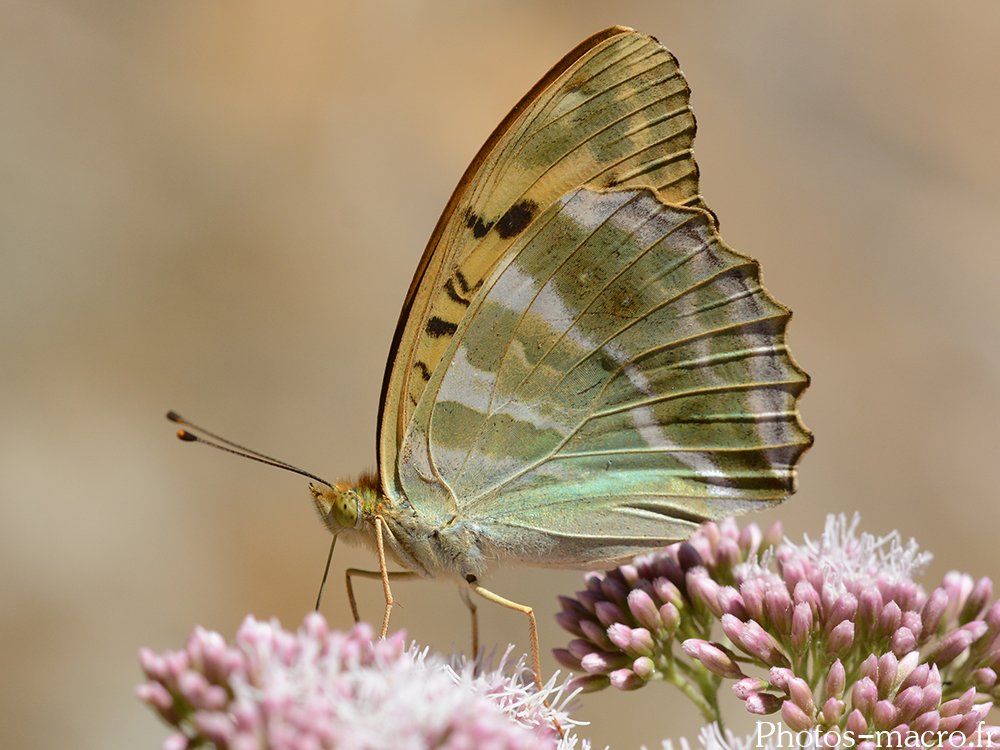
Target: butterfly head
(338, 506)
(342, 504)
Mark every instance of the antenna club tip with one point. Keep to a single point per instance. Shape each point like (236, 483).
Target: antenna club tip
(186, 436)
(174, 416)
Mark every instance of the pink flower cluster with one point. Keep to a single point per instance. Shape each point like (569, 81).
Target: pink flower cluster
(316, 689)
(845, 639)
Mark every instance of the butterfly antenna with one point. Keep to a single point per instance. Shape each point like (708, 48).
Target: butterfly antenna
(235, 448)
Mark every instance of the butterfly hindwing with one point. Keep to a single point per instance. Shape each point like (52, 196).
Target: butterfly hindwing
(622, 378)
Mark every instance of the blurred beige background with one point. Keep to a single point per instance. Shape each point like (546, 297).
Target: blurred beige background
(217, 206)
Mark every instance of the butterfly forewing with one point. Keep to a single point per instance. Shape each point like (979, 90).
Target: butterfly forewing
(622, 378)
(612, 113)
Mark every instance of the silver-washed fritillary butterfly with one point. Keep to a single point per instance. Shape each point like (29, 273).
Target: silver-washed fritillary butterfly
(582, 370)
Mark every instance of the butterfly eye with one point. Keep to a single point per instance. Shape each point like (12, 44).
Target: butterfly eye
(345, 509)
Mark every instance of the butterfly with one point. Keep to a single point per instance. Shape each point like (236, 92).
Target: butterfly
(582, 370)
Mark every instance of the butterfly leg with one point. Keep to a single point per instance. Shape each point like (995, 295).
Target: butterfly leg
(532, 628)
(464, 592)
(536, 663)
(396, 575)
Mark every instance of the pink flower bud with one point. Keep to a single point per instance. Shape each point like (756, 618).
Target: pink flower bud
(753, 599)
(934, 612)
(833, 709)
(926, 721)
(779, 677)
(856, 723)
(966, 701)
(903, 642)
(841, 638)
(579, 648)
(888, 619)
(644, 667)
(715, 657)
(731, 602)
(668, 592)
(600, 662)
(727, 556)
(951, 646)
(869, 605)
(844, 608)
(671, 618)
(570, 621)
(761, 644)
(869, 668)
(984, 679)
(804, 593)
(887, 665)
(629, 573)
(732, 627)
(778, 606)
(949, 724)
(614, 590)
(884, 715)
(598, 635)
(688, 557)
(750, 539)
(641, 643)
(796, 719)
(609, 613)
(589, 683)
(644, 610)
(773, 536)
(159, 698)
(801, 632)
(701, 588)
(626, 679)
(908, 703)
(836, 680)
(589, 600)
(566, 659)
(801, 695)
(748, 686)
(619, 635)
(864, 694)
(976, 602)
(762, 704)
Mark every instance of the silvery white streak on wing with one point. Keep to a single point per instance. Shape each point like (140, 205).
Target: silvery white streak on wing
(528, 412)
(514, 290)
(644, 219)
(466, 384)
(589, 209)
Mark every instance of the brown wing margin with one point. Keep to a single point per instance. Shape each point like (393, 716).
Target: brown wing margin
(557, 70)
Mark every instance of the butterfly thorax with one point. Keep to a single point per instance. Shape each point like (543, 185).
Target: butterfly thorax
(432, 547)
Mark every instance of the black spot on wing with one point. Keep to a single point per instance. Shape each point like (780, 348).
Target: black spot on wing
(516, 219)
(438, 327)
(475, 222)
(458, 289)
(422, 369)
